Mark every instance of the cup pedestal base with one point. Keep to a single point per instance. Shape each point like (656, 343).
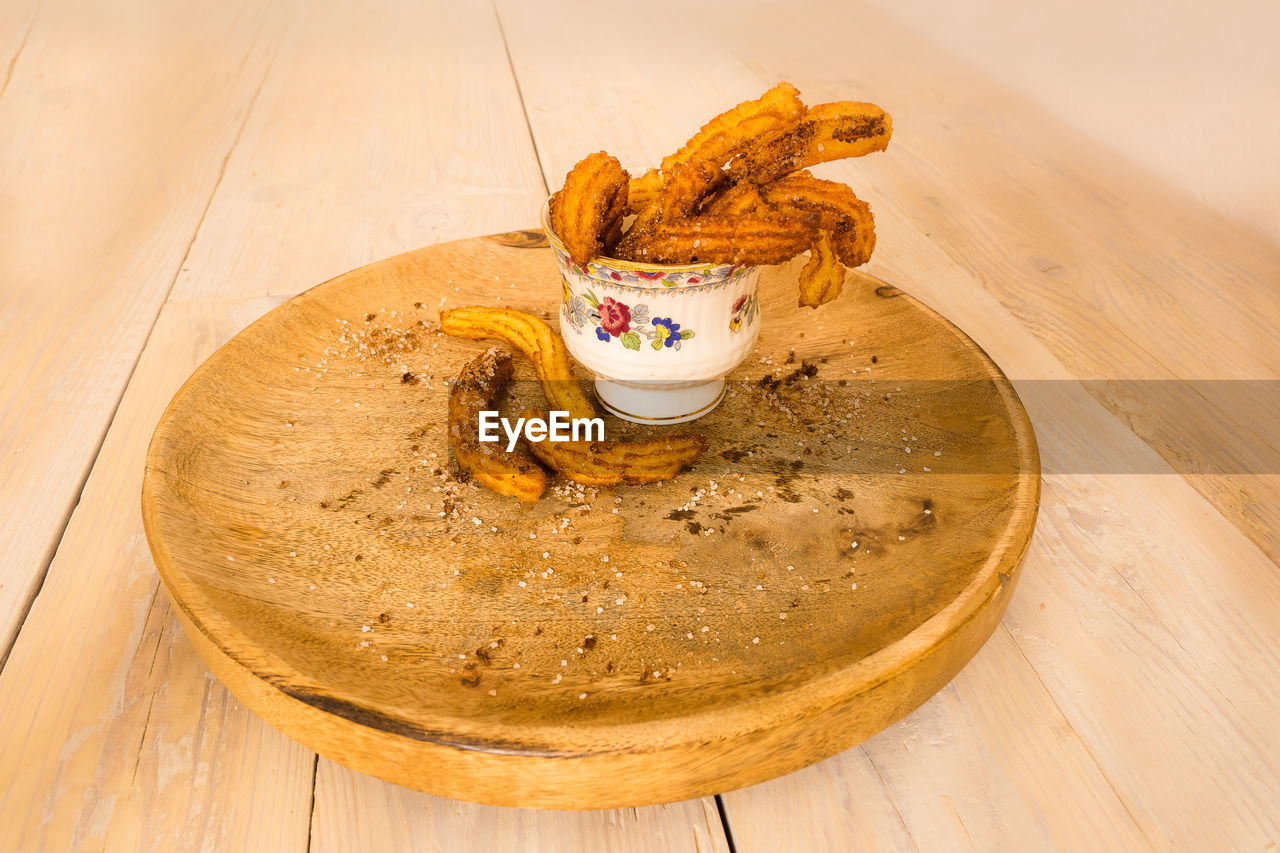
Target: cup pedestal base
(659, 402)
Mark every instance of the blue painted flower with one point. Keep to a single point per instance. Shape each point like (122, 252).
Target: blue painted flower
(577, 310)
(673, 330)
(602, 334)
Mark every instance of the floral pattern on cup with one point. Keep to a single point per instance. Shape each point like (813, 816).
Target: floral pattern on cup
(631, 325)
(618, 274)
(743, 312)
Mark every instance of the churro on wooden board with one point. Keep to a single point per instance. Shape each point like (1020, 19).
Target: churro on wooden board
(478, 388)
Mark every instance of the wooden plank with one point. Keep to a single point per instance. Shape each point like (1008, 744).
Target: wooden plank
(1133, 592)
(1222, 712)
(1117, 274)
(113, 732)
(962, 770)
(108, 157)
(1187, 749)
(1140, 82)
(415, 136)
(16, 19)
(354, 811)
(1161, 541)
(1031, 763)
(838, 804)
(1036, 211)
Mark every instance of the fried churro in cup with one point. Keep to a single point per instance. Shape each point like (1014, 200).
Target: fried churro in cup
(659, 272)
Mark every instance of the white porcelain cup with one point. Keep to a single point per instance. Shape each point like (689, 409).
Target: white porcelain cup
(660, 338)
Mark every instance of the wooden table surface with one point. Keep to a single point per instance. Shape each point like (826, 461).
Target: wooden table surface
(171, 170)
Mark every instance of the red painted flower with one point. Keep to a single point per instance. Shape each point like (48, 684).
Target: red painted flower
(737, 306)
(615, 318)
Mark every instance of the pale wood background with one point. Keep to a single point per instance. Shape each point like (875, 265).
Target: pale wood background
(1186, 90)
(171, 170)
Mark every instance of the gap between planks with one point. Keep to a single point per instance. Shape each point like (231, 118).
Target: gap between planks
(724, 824)
(524, 109)
(47, 560)
(1062, 714)
(311, 821)
(8, 74)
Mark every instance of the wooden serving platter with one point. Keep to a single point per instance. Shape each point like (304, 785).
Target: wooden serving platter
(603, 647)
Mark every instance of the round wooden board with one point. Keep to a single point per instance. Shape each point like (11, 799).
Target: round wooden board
(601, 648)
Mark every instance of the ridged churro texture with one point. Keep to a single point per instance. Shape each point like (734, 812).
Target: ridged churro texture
(768, 238)
(827, 132)
(607, 463)
(822, 278)
(478, 388)
(846, 217)
(738, 200)
(588, 209)
(643, 191)
(535, 339)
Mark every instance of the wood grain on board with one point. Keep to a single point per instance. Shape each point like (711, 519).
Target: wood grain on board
(604, 647)
(16, 20)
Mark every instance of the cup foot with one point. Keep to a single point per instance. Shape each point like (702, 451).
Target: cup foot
(659, 402)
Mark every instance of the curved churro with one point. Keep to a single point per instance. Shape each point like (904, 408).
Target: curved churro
(535, 339)
(682, 191)
(738, 200)
(847, 217)
(733, 130)
(478, 388)
(826, 132)
(643, 191)
(756, 239)
(684, 187)
(823, 276)
(588, 209)
(607, 463)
